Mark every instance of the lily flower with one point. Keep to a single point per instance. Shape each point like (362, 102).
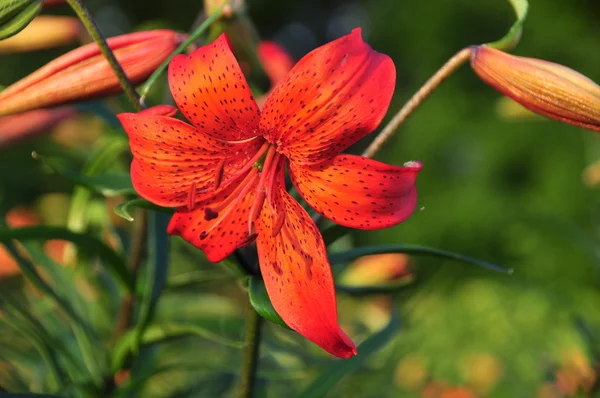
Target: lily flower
(225, 172)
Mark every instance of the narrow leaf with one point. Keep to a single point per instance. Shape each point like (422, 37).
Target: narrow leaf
(156, 272)
(416, 250)
(511, 39)
(261, 303)
(15, 15)
(158, 333)
(123, 210)
(342, 368)
(114, 262)
(109, 184)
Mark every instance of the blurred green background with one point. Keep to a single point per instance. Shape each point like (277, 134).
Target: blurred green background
(507, 191)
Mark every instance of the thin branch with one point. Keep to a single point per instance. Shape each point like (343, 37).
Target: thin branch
(251, 353)
(92, 28)
(417, 99)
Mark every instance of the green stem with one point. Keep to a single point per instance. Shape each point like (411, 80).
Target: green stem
(251, 351)
(193, 37)
(417, 99)
(92, 28)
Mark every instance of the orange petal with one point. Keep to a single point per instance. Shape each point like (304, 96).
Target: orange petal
(218, 225)
(276, 61)
(297, 274)
(334, 96)
(170, 155)
(211, 91)
(358, 192)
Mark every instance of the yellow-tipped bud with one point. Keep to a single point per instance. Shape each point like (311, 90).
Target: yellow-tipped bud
(84, 73)
(546, 88)
(43, 32)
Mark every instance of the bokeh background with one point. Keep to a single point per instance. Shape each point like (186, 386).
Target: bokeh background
(497, 184)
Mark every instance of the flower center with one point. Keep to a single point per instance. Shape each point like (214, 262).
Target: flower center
(261, 173)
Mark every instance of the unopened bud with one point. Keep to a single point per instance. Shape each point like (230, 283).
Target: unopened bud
(229, 6)
(17, 128)
(376, 269)
(84, 73)
(15, 15)
(546, 88)
(43, 32)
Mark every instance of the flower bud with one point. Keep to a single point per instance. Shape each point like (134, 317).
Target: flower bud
(15, 15)
(376, 269)
(16, 128)
(84, 73)
(549, 89)
(43, 32)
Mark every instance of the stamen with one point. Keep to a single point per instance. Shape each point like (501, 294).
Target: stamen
(248, 165)
(219, 173)
(237, 198)
(249, 240)
(278, 223)
(278, 163)
(244, 141)
(232, 196)
(260, 190)
(192, 197)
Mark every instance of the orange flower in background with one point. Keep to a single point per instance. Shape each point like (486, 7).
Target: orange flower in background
(276, 62)
(549, 89)
(22, 217)
(225, 172)
(16, 128)
(84, 73)
(46, 31)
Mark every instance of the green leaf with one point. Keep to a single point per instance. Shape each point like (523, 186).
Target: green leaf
(15, 15)
(156, 272)
(100, 161)
(159, 333)
(416, 250)
(511, 39)
(261, 303)
(368, 290)
(342, 368)
(109, 184)
(123, 209)
(14, 318)
(27, 395)
(114, 262)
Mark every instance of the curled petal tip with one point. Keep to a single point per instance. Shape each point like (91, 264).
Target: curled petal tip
(544, 87)
(344, 347)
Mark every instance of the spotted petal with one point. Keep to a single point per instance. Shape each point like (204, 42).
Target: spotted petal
(211, 91)
(170, 155)
(217, 225)
(297, 273)
(334, 96)
(358, 192)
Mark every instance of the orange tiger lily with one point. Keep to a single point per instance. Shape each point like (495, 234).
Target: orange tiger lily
(225, 173)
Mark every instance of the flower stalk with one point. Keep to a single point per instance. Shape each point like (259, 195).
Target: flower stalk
(251, 353)
(95, 33)
(417, 99)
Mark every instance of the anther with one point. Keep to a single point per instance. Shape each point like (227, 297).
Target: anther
(192, 196)
(249, 240)
(219, 173)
